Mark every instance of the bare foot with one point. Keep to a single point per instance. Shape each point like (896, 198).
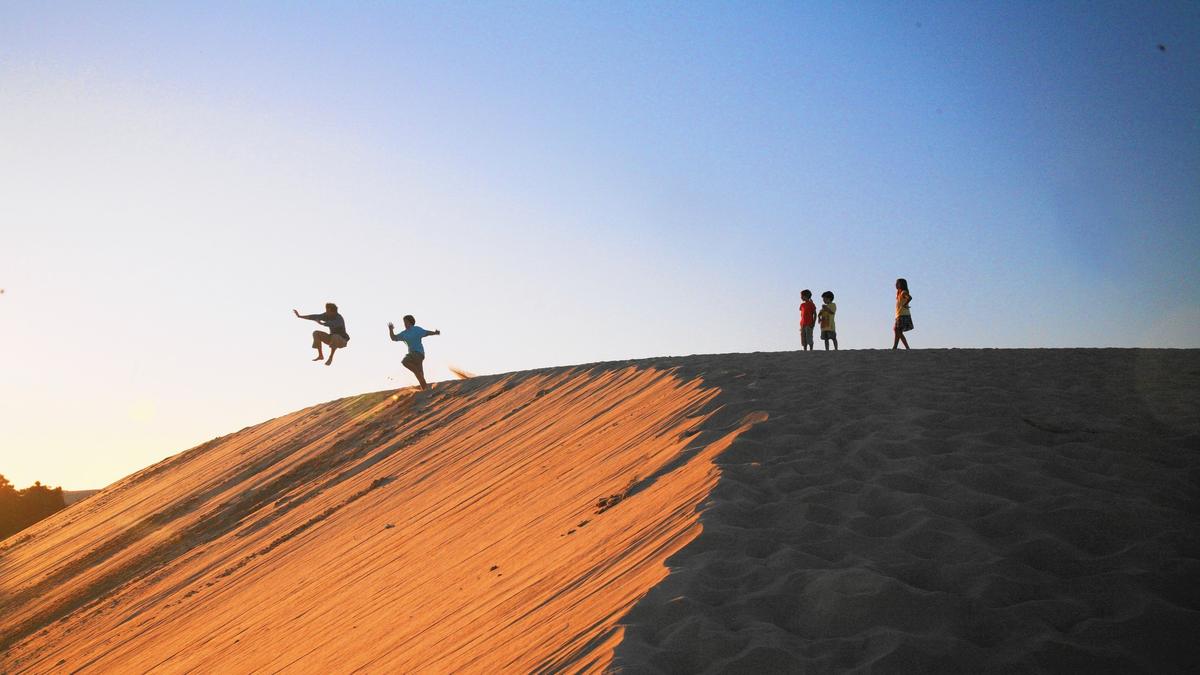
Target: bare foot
(329, 362)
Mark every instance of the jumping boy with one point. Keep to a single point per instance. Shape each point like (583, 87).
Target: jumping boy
(825, 316)
(808, 319)
(411, 336)
(336, 338)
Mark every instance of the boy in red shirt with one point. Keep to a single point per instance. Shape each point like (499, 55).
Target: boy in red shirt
(808, 319)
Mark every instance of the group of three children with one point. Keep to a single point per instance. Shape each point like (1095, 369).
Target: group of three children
(810, 316)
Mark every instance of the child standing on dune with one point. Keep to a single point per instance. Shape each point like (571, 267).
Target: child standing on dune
(825, 316)
(904, 321)
(808, 319)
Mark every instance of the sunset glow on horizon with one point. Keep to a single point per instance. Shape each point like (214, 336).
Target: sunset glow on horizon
(551, 184)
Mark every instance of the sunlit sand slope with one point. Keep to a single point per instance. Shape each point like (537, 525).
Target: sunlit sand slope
(929, 511)
(943, 511)
(452, 531)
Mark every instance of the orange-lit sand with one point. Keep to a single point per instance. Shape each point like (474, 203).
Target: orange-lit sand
(958, 511)
(437, 532)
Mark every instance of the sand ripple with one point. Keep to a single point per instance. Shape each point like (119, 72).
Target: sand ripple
(952, 511)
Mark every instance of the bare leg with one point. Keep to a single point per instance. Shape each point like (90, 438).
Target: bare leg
(332, 349)
(835, 347)
(318, 339)
(418, 368)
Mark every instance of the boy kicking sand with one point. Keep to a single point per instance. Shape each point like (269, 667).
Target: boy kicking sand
(411, 336)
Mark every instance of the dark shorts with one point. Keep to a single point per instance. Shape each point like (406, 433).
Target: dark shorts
(904, 323)
(829, 335)
(413, 359)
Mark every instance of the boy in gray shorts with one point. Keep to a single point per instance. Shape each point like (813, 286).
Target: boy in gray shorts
(411, 336)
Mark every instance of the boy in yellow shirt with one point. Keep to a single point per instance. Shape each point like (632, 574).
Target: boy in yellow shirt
(825, 317)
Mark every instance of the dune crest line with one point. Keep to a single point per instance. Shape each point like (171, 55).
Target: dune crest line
(975, 510)
(924, 511)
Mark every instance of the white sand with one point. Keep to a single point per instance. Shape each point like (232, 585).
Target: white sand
(893, 512)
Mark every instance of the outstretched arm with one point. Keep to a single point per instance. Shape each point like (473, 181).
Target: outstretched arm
(310, 317)
(392, 331)
(432, 332)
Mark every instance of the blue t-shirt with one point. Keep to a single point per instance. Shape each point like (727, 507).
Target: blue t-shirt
(412, 338)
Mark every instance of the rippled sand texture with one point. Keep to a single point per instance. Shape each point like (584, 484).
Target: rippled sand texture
(452, 531)
(956, 511)
(961, 511)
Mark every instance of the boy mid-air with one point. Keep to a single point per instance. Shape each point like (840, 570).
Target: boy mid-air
(411, 336)
(336, 338)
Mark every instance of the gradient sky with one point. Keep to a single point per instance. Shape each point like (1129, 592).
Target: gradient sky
(559, 183)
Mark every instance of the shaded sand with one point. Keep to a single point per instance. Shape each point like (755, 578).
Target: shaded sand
(943, 511)
(447, 531)
(955, 511)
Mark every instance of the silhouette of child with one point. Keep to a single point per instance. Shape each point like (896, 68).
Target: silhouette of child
(336, 338)
(825, 316)
(411, 336)
(808, 319)
(904, 321)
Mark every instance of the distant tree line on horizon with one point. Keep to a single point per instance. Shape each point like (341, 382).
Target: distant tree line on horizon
(21, 508)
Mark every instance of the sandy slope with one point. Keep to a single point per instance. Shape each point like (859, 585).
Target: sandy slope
(892, 512)
(443, 532)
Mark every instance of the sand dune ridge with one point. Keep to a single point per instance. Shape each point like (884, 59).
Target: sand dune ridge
(932, 511)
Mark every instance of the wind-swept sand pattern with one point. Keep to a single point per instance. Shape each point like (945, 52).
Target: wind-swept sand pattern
(445, 532)
(926, 511)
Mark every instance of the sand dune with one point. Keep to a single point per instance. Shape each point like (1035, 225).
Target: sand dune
(439, 532)
(893, 512)
(944, 511)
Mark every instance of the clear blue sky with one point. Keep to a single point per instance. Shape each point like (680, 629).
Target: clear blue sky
(561, 183)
